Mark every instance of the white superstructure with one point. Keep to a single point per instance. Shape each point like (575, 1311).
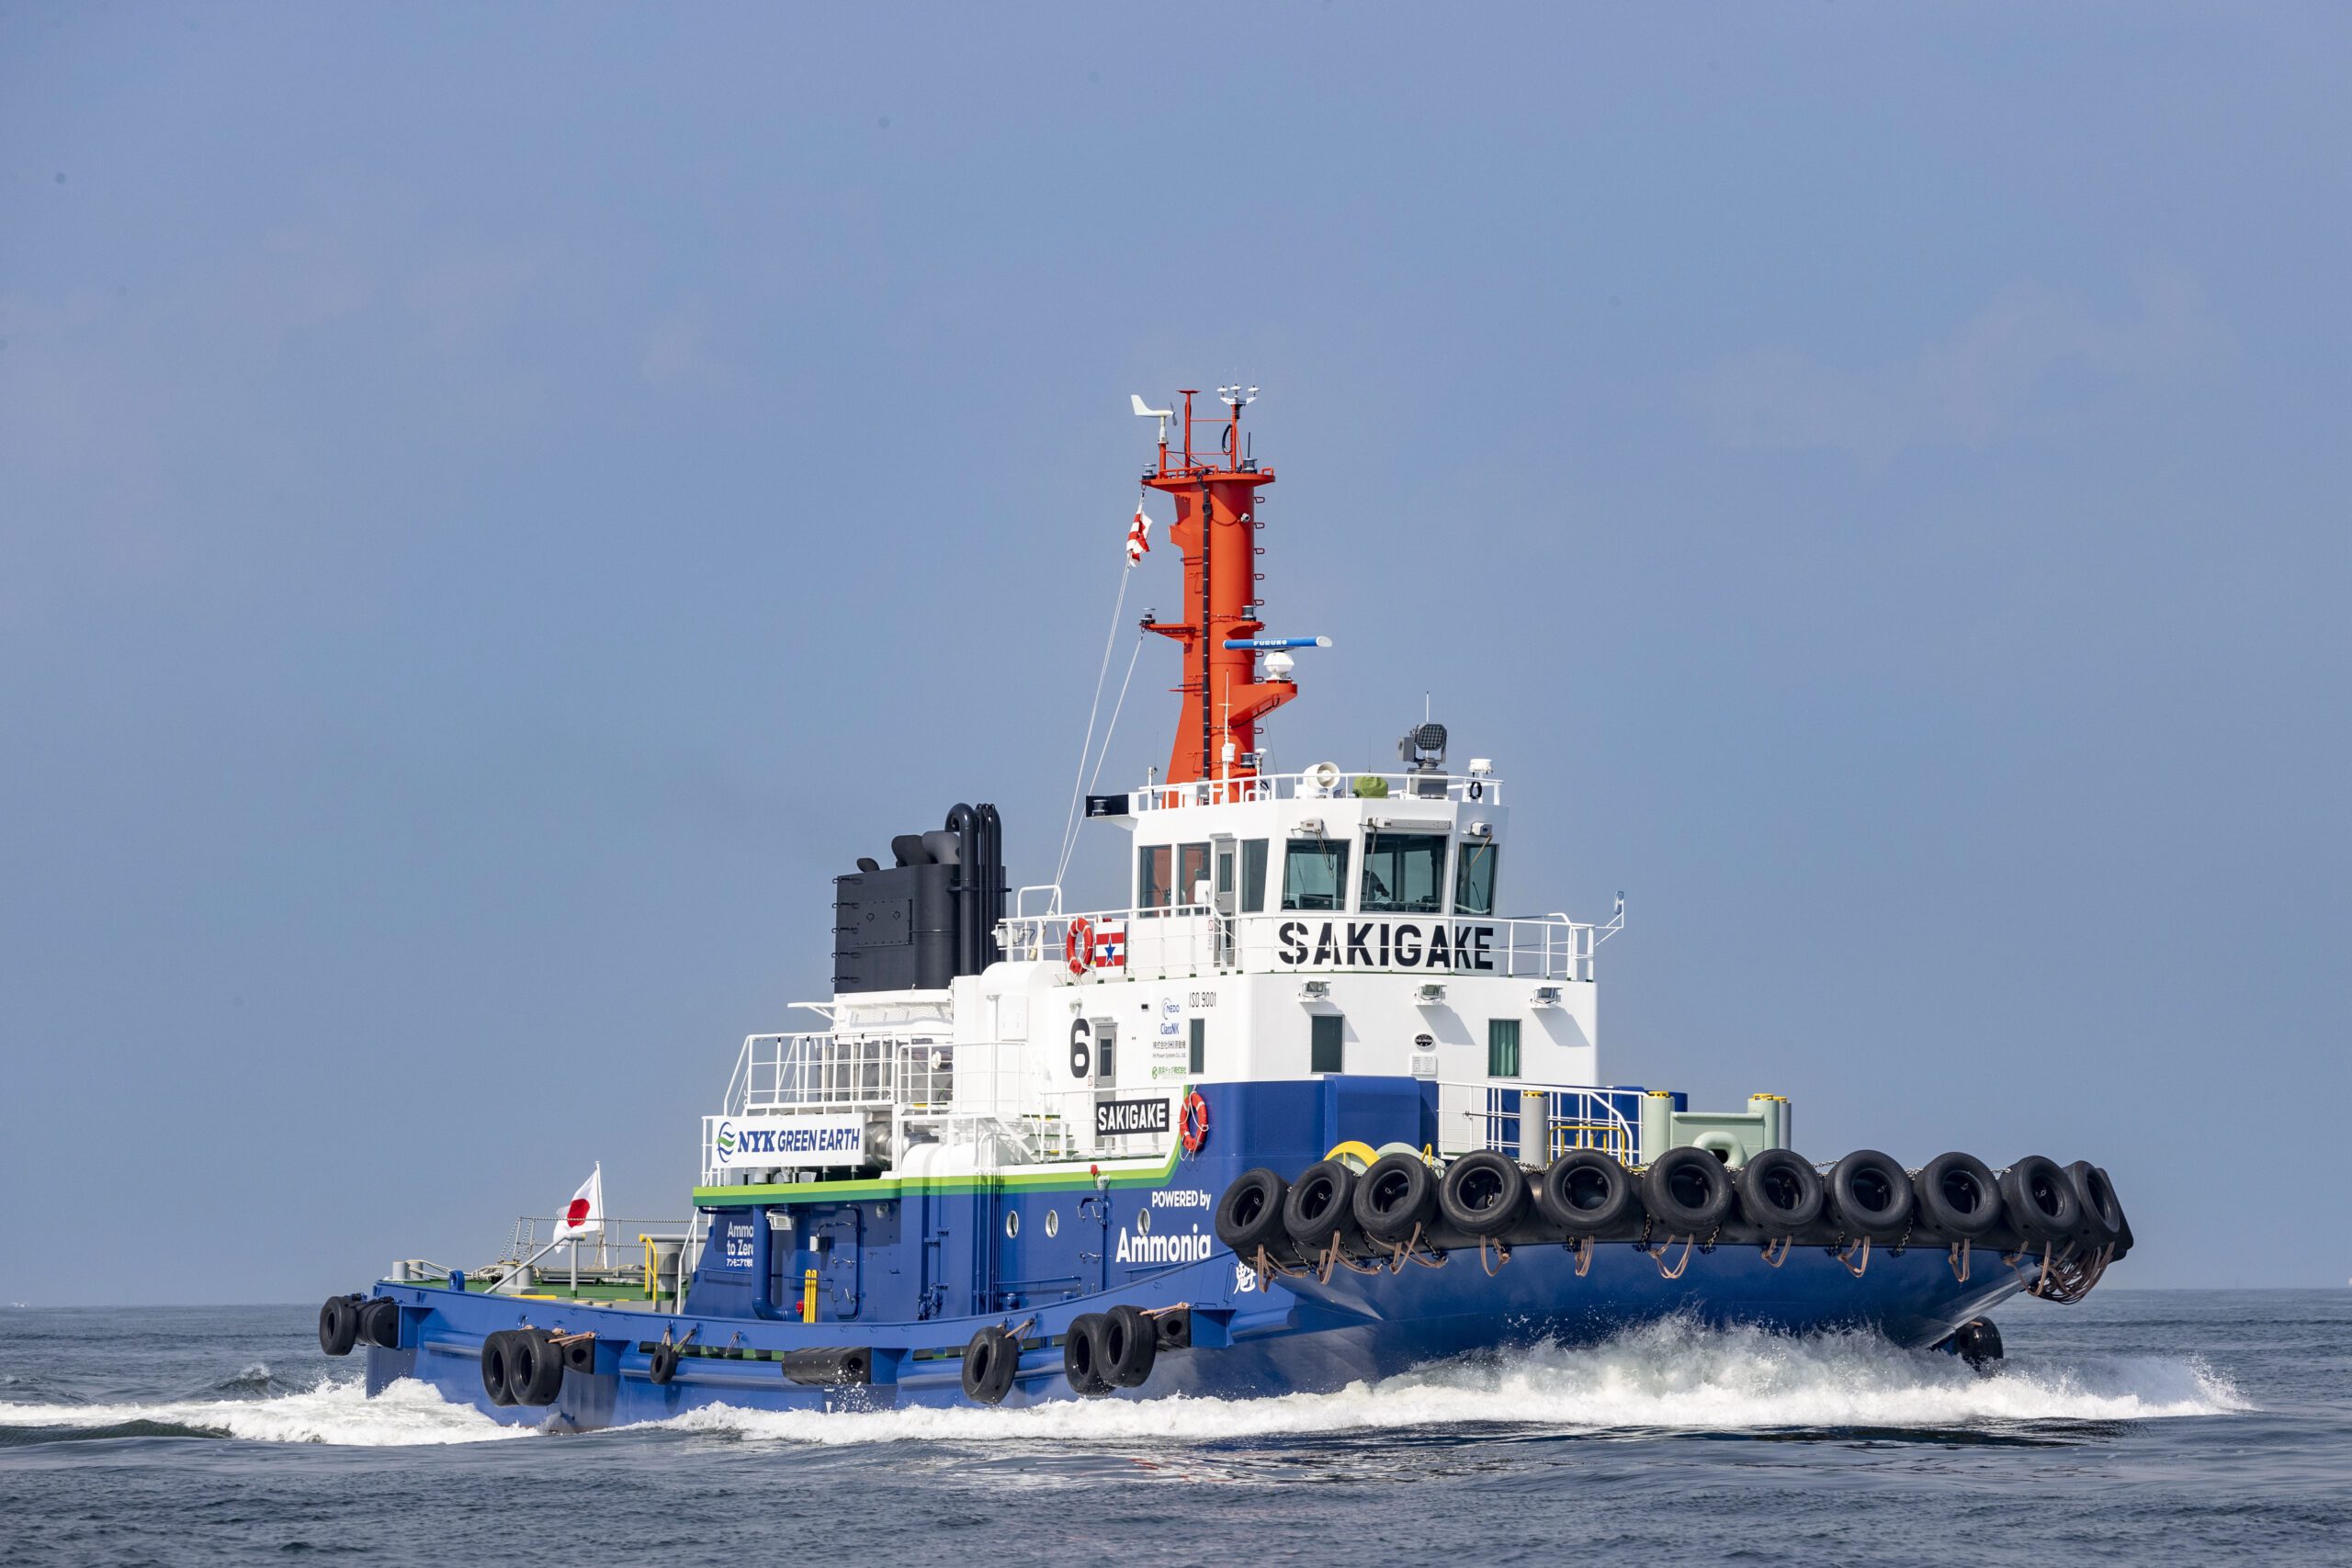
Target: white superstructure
(1281, 926)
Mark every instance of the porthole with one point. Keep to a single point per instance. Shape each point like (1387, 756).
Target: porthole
(1143, 1222)
(1013, 1225)
(1053, 1222)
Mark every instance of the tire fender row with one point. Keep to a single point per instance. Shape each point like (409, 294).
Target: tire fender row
(2059, 1226)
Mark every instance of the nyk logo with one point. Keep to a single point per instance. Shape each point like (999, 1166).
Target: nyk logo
(800, 1140)
(1383, 944)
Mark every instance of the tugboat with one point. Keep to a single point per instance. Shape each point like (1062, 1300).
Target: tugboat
(1308, 1109)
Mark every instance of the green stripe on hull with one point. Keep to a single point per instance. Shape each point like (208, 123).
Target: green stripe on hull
(901, 1187)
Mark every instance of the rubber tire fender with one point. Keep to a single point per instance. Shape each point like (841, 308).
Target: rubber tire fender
(2040, 1200)
(1978, 1342)
(1130, 1346)
(1779, 1192)
(2102, 1223)
(1393, 1198)
(990, 1362)
(2122, 1219)
(1250, 1215)
(494, 1368)
(580, 1354)
(1587, 1192)
(1320, 1202)
(338, 1326)
(1083, 1356)
(1955, 1193)
(1869, 1195)
(533, 1368)
(1688, 1190)
(1483, 1193)
(379, 1323)
(663, 1365)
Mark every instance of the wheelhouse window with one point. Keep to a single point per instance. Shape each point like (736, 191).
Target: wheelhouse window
(1192, 870)
(1168, 875)
(1153, 877)
(1315, 874)
(1473, 878)
(1404, 874)
(1253, 875)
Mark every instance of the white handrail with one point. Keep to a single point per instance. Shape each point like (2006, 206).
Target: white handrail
(1193, 938)
(1480, 788)
(1577, 1116)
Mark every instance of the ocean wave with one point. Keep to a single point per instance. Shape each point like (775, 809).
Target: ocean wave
(256, 1378)
(1669, 1376)
(1663, 1377)
(337, 1411)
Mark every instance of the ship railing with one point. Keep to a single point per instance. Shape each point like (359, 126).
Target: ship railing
(1482, 788)
(1000, 1099)
(932, 1090)
(622, 1257)
(832, 1072)
(1046, 895)
(1536, 1123)
(1188, 939)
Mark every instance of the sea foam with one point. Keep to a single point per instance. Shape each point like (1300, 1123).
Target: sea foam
(1663, 1377)
(1670, 1377)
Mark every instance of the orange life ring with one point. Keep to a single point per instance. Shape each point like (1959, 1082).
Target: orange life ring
(1196, 1131)
(1078, 946)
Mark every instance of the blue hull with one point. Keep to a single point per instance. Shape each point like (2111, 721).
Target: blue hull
(913, 1271)
(1295, 1337)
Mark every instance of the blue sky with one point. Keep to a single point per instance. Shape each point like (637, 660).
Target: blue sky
(499, 505)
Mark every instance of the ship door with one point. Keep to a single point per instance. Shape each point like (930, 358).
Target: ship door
(1227, 857)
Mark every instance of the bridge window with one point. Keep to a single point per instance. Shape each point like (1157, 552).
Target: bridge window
(1253, 875)
(1474, 879)
(1315, 874)
(1502, 1047)
(1192, 870)
(1404, 874)
(1156, 889)
(1323, 1052)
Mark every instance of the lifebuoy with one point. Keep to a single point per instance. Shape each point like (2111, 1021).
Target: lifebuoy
(1195, 1130)
(1078, 945)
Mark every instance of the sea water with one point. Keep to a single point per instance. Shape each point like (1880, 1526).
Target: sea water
(2147, 1427)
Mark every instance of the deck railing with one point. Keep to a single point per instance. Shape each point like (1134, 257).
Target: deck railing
(991, 1095)
(1483, 788)
(1194, 939)
(1494, 1113)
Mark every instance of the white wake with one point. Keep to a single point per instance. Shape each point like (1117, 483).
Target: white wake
(1666, 1377)
(407, 1413)
(1669, 1376)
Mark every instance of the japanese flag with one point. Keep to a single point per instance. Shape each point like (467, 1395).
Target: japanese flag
(1138, 535)
(585, 1215)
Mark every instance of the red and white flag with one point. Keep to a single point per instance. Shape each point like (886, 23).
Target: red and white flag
(1138, 535)
(585, 1215)
(1111, 946)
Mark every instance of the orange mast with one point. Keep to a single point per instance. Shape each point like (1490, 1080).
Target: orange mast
(1216, 529)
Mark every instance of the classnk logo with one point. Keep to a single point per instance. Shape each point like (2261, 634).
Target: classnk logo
(1385, 944)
